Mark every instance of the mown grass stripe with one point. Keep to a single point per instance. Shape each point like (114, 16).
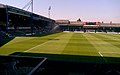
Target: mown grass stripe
(110, 39)
(112, 36)
(53, 46)
(105, 47)
(82, 48)
(24, 45)
(78, 44)
(94, 42)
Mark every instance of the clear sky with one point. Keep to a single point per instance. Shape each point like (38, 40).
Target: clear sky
(87, 10)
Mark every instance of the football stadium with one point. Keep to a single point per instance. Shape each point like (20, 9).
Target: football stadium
(36, 45)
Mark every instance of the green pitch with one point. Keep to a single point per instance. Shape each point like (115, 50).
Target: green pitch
(90, 47)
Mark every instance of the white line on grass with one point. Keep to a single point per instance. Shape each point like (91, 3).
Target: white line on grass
(36, 46)
(33, 47)
(100, 54)
(40, 45)
(94, 44)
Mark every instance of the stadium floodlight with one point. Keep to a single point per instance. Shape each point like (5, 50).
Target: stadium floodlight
(7, 19)
(28, 5)
(49, 11)
(32, 6)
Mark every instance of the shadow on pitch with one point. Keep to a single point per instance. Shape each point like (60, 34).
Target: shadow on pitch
(72, 58)
(5, 41)
(61, 64)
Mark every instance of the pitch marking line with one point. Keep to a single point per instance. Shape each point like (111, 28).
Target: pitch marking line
(41, 44)
(34, 47)
(37, 46)
(100, 54)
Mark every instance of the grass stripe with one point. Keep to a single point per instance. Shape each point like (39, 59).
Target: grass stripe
(79, 45)
(89, 47)
(53, 46)
(94, 41)
(105, 47)
(114, 41)
(112, 36)
(24, 45)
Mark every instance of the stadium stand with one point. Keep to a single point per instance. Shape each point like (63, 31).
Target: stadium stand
(66, 25)
(16, 21)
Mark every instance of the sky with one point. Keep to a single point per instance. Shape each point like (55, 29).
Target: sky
(86, 10)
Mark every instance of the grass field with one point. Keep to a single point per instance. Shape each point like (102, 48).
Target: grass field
(90, 47)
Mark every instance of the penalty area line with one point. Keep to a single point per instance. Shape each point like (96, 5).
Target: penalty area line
(40, 44)
(37, 46)
(34, 47)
